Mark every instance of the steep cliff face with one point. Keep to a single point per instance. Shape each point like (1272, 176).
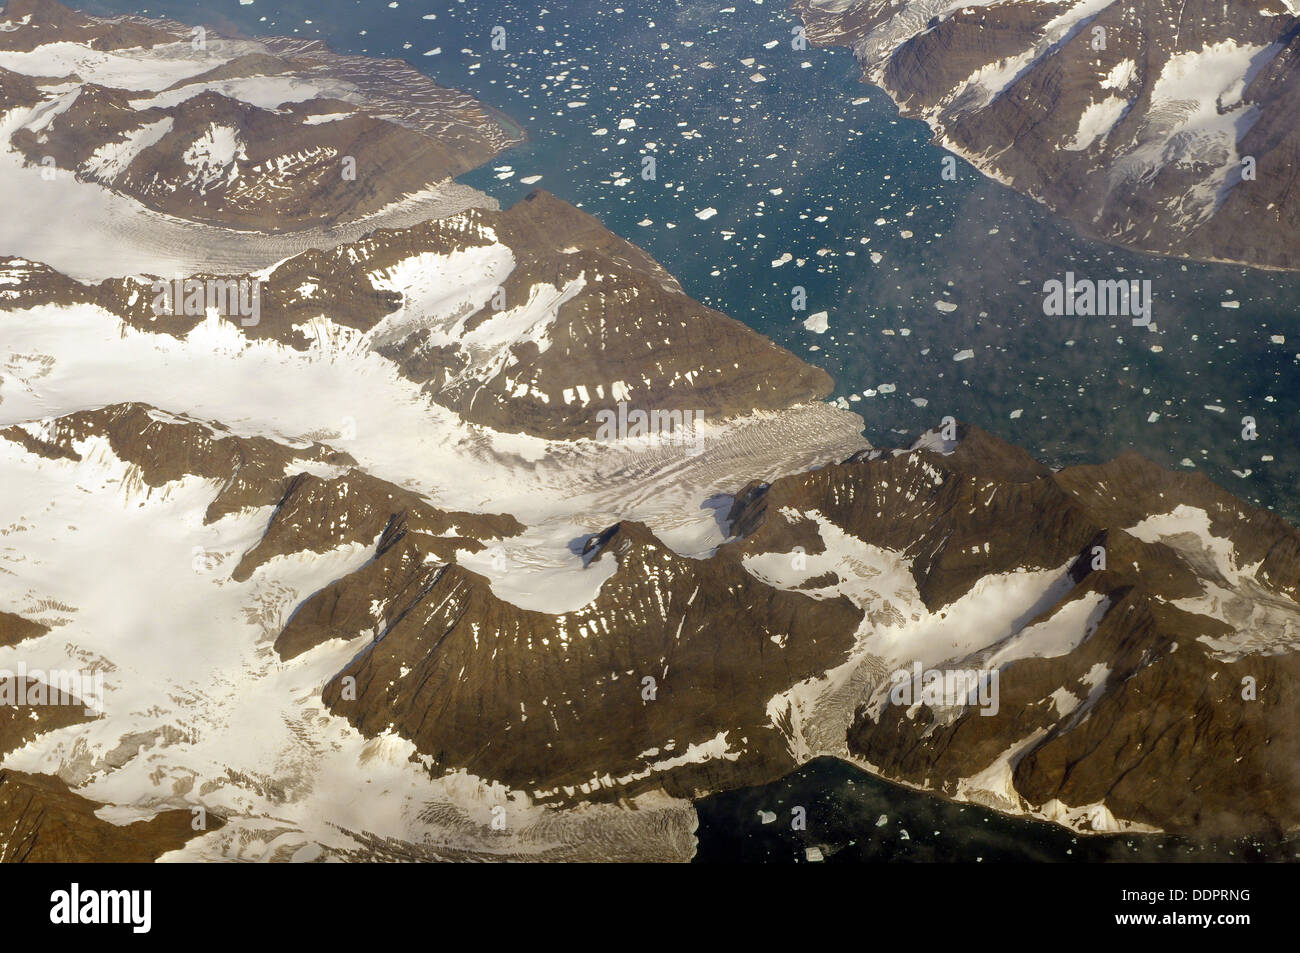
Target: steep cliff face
(1164, 126)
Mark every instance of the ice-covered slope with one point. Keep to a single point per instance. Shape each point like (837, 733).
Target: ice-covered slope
(1168, 126)
(1143, 625)
(531, 320)
(364, 578)
(135, 128)
(220, 479)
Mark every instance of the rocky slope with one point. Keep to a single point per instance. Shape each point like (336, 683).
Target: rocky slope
(532, 319)
(560, 705)
(346, 467)
(1126, 609)
(45, 823)
(1143, 624)
(277, 136)
(363, 579)
(1166, 126)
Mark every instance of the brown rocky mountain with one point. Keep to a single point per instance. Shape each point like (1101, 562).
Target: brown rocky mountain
(319, 635)
(560, 707)
(43, 821)
(1166, 126)
(20, 724)
(1115, 677)
(1172, 659)
(312, 513)
(274, 135)
(14, 628)
(318, 514)
(167, 447)
(556, 319)
(34, 23)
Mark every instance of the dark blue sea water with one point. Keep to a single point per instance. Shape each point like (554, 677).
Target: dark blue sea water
(845, 814)
(813, 164)
(848, 815)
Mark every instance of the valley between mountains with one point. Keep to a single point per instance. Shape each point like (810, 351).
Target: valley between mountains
(362, 581)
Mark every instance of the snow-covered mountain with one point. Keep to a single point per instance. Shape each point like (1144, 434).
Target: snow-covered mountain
(362, 576)
(139, 129)
(1164, 125)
